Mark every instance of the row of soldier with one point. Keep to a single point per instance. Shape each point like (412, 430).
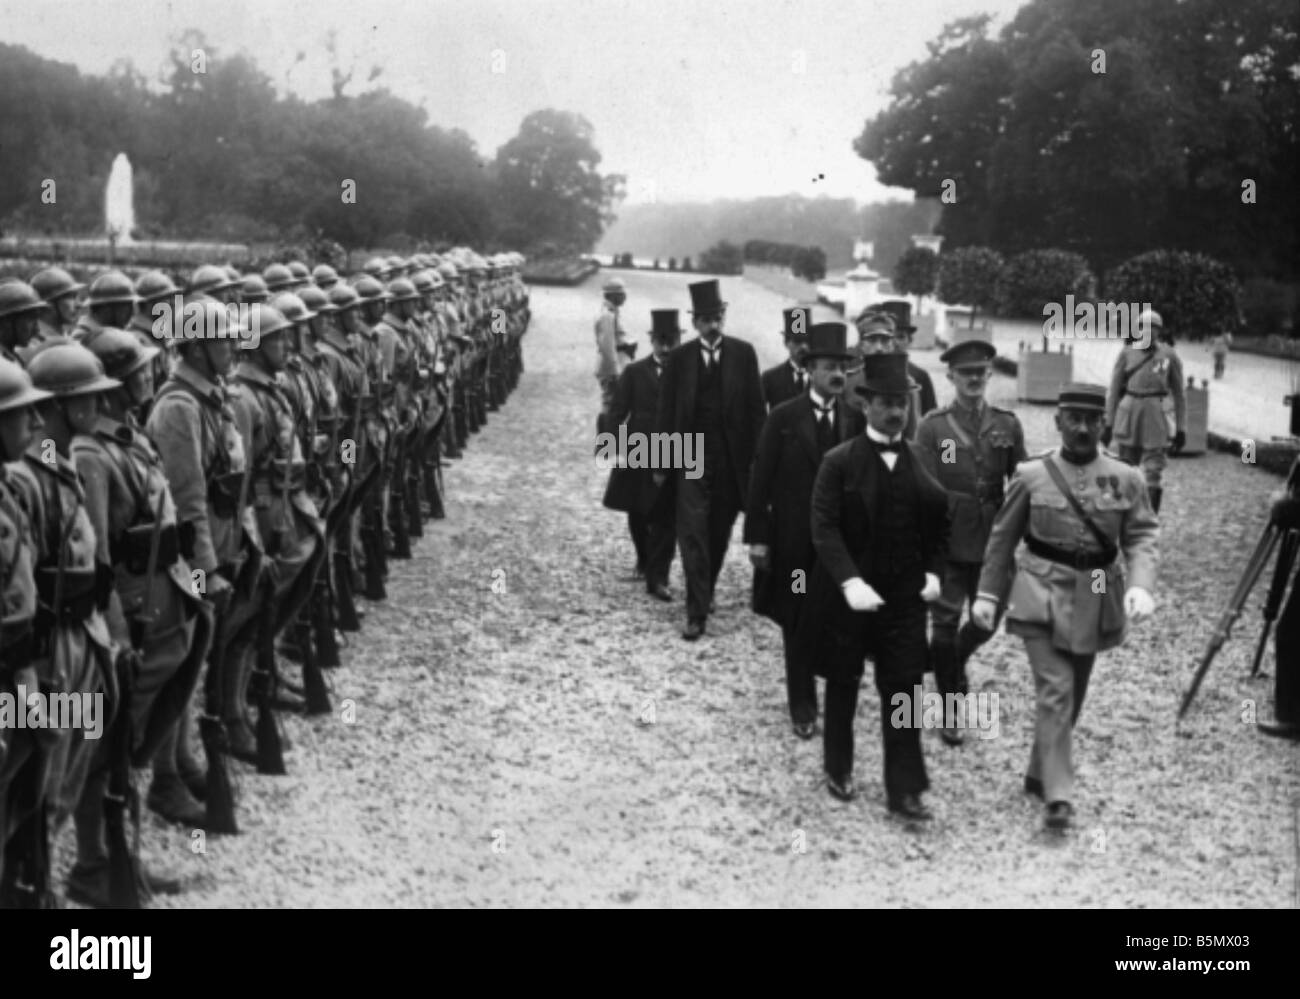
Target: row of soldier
(294, 444)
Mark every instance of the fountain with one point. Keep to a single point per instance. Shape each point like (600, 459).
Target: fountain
(119, 205)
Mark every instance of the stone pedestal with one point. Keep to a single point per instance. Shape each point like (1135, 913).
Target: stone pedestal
(1040, 376)
(1198, 419)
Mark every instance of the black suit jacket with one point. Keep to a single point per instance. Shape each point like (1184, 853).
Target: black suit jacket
(742, 401)
(844, 524)
(779, 509)
(636, 400)
(779, 385)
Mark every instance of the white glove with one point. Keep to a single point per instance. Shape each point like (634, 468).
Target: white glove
(984, 612)
(931, 590)
(1138, 604)
(860, 596)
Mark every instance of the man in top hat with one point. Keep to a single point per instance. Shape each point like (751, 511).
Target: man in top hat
(614, 351)
(789, 379)
(648, 506)
(1143, 376)
(972, 449)
(1078, 509)
(900, 311)
(710, 390)
(880, 528)
(876, 335)
(795, 438)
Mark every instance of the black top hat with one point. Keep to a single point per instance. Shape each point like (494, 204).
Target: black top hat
(900, 311)
(706, 299)
(828, 340)
(796, 322)
(884, 374)
(664, 325)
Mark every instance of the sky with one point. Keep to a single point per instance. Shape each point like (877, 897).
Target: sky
(691, 99)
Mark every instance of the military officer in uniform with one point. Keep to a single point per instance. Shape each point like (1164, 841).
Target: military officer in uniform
(795, 438)
(59, 290)
(614, 350)
(110, 303)
(878, 335)
(788, 379)
(972, 448)
(1135, 417)
(20, 310)
(1068, 595)
(648, 506)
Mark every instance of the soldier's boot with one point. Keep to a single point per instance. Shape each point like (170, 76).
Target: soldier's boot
(188, 766)
(401, 547)
(346, 617)
(241, 743)
(171, 798)
(436, 510)
(1156, 492)
(948, 678)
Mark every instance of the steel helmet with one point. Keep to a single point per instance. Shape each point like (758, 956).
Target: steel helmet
(344, 297)
(299, 271)
(267, 320)
(18, 296)
(213, 318)
(315, 299)
(65, 369)
(325, 276)
(291, 307)
(370, 289)
(402, 290)
(448, 271)
(396, 267)
(113, 288)
(426, 282)
(121, 354)
(278, 277)
(254, 289)
(54, 283)
(16, 388)
(209, 278)
(153, 285)
(377, 267)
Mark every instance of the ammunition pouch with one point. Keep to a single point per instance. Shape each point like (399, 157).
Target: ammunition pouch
(131, 550)
(84, 592)
(223, 494)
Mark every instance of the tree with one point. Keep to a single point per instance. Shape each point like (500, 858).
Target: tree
(549, 187)
(722, 258)
(916, 272)
(968, 276)
(809, 263)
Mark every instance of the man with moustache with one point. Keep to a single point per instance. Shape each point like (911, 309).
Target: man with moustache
(795, 438)
(648, 507)
(972, 449)
(880, 529)
(1077, 509)
(788, 380)
(711, 388)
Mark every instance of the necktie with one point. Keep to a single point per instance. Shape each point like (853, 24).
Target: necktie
(825, 427)
(895, 446)
(802, 378)
(710, 354)
(659, 369)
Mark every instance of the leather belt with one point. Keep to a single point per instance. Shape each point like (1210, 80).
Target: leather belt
(1147, 395)
(1075, 559)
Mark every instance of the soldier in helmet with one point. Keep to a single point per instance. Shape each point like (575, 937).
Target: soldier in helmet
(377, 268)
(23, 865)
(253, 289)
(213, 281)
(153, 611)
(1143, 377)
(111, 303)
(399, 352)
(203, 449)
(75, 653)
(288, 521)
(382, 422)
(20, 310)
(972, 449)
(155, 322)
(59, 290)
(325, 276)
(278, 278)
(301, 275)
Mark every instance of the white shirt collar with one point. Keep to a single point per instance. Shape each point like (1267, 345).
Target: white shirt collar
(817, 400)
(880, 438)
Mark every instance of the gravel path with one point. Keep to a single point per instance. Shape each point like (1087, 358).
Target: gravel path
(555, 743)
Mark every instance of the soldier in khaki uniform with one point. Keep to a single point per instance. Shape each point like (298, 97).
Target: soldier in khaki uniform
(58, 289)
(1068, 595)
(22, 865)
(1135, 417)
(972, 448)
(110, 303)
(20, 310)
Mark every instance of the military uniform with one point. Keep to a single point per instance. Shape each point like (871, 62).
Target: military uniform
(611, 358)
(1064, 594)
(1139, 384)
(985, 445)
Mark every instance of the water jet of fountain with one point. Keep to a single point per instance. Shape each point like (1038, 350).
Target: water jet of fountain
(119, 204)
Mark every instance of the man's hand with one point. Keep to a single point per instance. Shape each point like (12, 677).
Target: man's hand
(1106, 434)
(217, 590)
(1138, 604)
(760, 557)
(1180, 438)
(931, 590)
(984, 612)
(860, 596)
